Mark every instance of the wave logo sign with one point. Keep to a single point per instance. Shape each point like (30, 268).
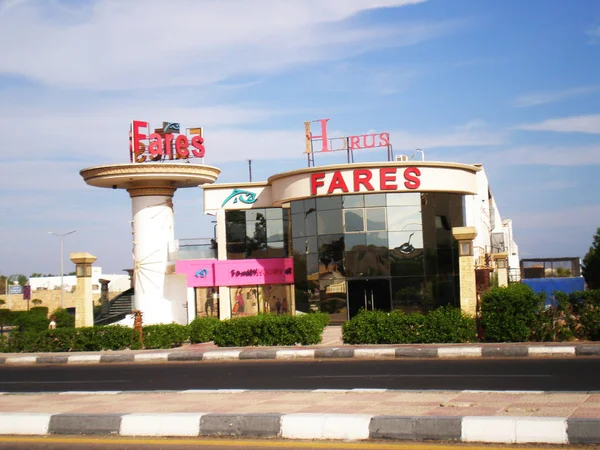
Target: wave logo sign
(246, 197)
(201, 273)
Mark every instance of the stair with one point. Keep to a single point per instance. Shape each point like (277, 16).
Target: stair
(117, 309)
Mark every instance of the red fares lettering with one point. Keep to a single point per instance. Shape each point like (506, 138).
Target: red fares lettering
(170, 145)
(362, 178)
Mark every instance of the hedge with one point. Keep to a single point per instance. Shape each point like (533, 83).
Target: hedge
(443, 325)
(112, 337)
(202, 329)
(271, 330)
(165, 336)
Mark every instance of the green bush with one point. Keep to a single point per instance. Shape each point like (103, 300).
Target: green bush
(443, 325)
(63, 318)
(202, 329)
(5, 316)
(112, 337)
(28, 321)
(511, 314)
(40, 310)
(270, 330)
(165, 336)
(579, 314)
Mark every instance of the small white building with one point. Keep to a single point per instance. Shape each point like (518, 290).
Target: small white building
(118, 282)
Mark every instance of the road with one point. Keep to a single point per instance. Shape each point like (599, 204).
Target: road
(576, 374)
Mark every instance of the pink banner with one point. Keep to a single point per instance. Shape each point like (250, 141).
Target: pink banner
(239, 272)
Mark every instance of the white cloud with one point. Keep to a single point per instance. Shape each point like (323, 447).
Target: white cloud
(576, 124)
(112, 44)
(542, 98)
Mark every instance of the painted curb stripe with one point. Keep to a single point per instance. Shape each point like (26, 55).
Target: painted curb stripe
(485, 429)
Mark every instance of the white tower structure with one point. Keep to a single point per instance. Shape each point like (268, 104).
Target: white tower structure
(151, 188)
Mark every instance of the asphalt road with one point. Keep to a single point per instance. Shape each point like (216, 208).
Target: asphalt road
(580, 374)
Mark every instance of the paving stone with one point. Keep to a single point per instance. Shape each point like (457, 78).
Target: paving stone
(510, 351)
(74, 424)
(117, 358)
(334, 353)
(438, 428)
(583, 431)
(185, 356)
(587, 350)
(53, 359)
(255, 425)
(392, 427)
(416, 352)
(258, 354)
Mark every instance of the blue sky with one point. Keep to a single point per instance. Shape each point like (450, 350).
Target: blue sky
(511, 84)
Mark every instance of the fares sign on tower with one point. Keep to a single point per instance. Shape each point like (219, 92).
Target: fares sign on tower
(164, 143)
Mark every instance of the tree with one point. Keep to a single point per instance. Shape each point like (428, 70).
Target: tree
(19, 278)
(591, 263)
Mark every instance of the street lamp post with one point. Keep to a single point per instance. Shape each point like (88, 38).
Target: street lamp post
(62, 270)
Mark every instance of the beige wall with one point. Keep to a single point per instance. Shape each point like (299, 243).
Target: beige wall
(50, 299)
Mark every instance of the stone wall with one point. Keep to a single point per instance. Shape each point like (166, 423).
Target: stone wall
(50, 299)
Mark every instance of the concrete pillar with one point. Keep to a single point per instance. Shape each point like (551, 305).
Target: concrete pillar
(84, 300)
(466, 262)
(501, 260)
(104, 297)
(152, 210)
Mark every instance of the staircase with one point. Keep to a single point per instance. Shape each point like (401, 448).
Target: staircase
(116, 309)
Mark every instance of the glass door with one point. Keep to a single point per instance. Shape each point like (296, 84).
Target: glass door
(369, 294)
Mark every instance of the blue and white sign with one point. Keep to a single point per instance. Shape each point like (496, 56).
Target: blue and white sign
(15, 290)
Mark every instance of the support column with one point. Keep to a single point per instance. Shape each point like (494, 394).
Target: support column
(501, 260)
(466, 262)
(152, 210)
(84, 300)
(104, 297)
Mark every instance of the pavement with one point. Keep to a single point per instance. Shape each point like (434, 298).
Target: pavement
(357, 414)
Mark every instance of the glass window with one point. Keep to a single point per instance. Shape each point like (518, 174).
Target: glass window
(378, 239)
(404, 199)
(354, 220)
(311, 243)
(375, 199)
(274, 230)
(410, 294)
(276, 250)
(325, 203)
(353, 201)
(370, 263)
(404, 218)
(310, 222)
(274, 213)
(297, 207)
(331, 256)
(310, 204)
(255, 214)
(244, 301)
(312, 266)
(299, 245)
(206, 305)
(298, 225)
(235, 226)
(406, 241)
(355, 241)
(330, 221)
(275, 299)
(257, 231)
(406, 265)
(375, 219)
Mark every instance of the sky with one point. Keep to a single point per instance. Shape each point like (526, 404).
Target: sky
(512, 84)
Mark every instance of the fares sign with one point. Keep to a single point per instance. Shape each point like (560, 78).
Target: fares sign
(164, 143)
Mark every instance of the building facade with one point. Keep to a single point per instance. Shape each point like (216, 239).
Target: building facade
(342, 238)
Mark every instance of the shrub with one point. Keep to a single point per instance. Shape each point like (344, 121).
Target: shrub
(165, 336)
(510, 314)
(270, 330)
(73, 339)
(28, 321)
(443, 325)
(63, 318)
(202, 329)
(580, 313)
(5, 316)
(40, 310)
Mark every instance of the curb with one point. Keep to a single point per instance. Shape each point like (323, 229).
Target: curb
(486, 429)
(488, 351)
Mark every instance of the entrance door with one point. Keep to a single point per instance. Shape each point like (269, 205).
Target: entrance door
(369, 294)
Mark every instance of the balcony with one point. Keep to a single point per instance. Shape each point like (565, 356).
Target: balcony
(202, 248)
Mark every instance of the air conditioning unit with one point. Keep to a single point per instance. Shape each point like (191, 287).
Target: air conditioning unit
(401, 158)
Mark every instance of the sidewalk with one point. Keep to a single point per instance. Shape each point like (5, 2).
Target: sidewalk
(468, 416)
